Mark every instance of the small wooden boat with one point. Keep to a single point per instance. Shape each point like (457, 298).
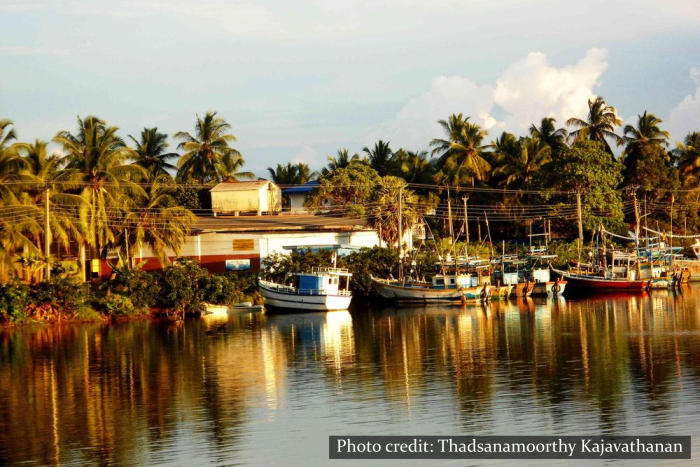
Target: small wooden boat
(319, 290)
(444, 288)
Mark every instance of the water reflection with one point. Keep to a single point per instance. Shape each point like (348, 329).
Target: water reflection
(259, 389)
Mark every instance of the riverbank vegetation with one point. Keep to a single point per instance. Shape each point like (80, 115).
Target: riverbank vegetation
(110, 194)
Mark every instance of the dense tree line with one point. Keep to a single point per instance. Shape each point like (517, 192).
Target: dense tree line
(109, 194)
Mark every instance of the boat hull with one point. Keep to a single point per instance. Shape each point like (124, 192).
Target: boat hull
(577, 283)
(406, 293)
(288, 300)
(522, 289)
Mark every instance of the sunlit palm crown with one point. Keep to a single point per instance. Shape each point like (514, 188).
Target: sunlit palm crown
(208, 156)
(599, 125)
(461, 153)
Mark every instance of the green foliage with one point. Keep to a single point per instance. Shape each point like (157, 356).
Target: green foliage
(587, 168)
(14, 298)
(141, 287)
(347, 189)
(66, 294)
(378, 262)
(567, 251)
(183, 287)
(647, 167)
(116, 305)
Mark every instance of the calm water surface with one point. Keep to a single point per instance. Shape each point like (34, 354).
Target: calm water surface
(257, 389)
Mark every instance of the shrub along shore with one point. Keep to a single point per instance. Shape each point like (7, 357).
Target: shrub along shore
(185, 287)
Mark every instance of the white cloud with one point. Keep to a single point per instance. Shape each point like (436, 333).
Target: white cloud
(685, 117)
(526, 91)
(532, 88)
(416, 123)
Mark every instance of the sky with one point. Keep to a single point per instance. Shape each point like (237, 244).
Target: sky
(299, 80)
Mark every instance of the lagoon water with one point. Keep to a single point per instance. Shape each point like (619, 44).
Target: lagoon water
(269, 389)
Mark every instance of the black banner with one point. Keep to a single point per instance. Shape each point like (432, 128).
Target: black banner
(509, 447)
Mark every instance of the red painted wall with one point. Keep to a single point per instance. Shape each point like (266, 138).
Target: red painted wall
(213, 263)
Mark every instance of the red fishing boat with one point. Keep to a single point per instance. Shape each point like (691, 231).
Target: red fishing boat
(585, 282)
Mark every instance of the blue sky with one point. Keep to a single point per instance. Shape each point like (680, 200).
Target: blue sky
(298, 80)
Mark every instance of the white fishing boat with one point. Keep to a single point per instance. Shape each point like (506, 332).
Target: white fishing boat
(322, 289)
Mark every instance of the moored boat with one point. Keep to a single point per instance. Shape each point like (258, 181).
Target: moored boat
(441, 288)
(319, 290)
(577, 282)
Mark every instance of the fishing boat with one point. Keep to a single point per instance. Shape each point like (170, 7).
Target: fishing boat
(446, 288)
(621, 276)
(692, 265)
(322, 289)
(577, 282)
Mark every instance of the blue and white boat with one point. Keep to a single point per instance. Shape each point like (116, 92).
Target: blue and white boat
(322, 289)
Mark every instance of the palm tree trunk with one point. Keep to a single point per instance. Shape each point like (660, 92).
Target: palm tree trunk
(82, 262)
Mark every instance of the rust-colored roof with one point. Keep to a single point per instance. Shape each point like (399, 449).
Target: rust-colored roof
(302, 222)
(240, 186)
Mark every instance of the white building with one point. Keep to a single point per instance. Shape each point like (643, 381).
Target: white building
(236, 197)
(242, 242)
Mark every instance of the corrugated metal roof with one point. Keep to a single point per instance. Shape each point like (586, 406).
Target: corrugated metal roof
(240, 186)
(305, 188)
(308, 222)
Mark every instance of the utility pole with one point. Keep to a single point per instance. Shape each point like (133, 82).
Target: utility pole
(449, 215)
(646, 222)
(400, 233)
(580, 224)
(466, 224)
(47, 236)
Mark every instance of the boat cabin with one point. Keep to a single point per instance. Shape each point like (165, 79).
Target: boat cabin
(450, 281)
(324, 281)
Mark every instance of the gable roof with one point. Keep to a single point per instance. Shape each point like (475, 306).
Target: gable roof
(240, 186)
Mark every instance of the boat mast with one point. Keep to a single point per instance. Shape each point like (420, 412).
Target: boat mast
(401, 233)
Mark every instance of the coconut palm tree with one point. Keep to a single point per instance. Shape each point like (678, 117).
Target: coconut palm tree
(291, 174)
(7, 134)
(150, 149)
(520, 160)
(599, 125)
(461, 153)
(157, 221)
(384, 213)
(208, 156)
(12, 166)
(414, 166)
(380, 157)
(646, 132)
(550, 135)
(44, 171)
(97, 169)
(340, 161)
